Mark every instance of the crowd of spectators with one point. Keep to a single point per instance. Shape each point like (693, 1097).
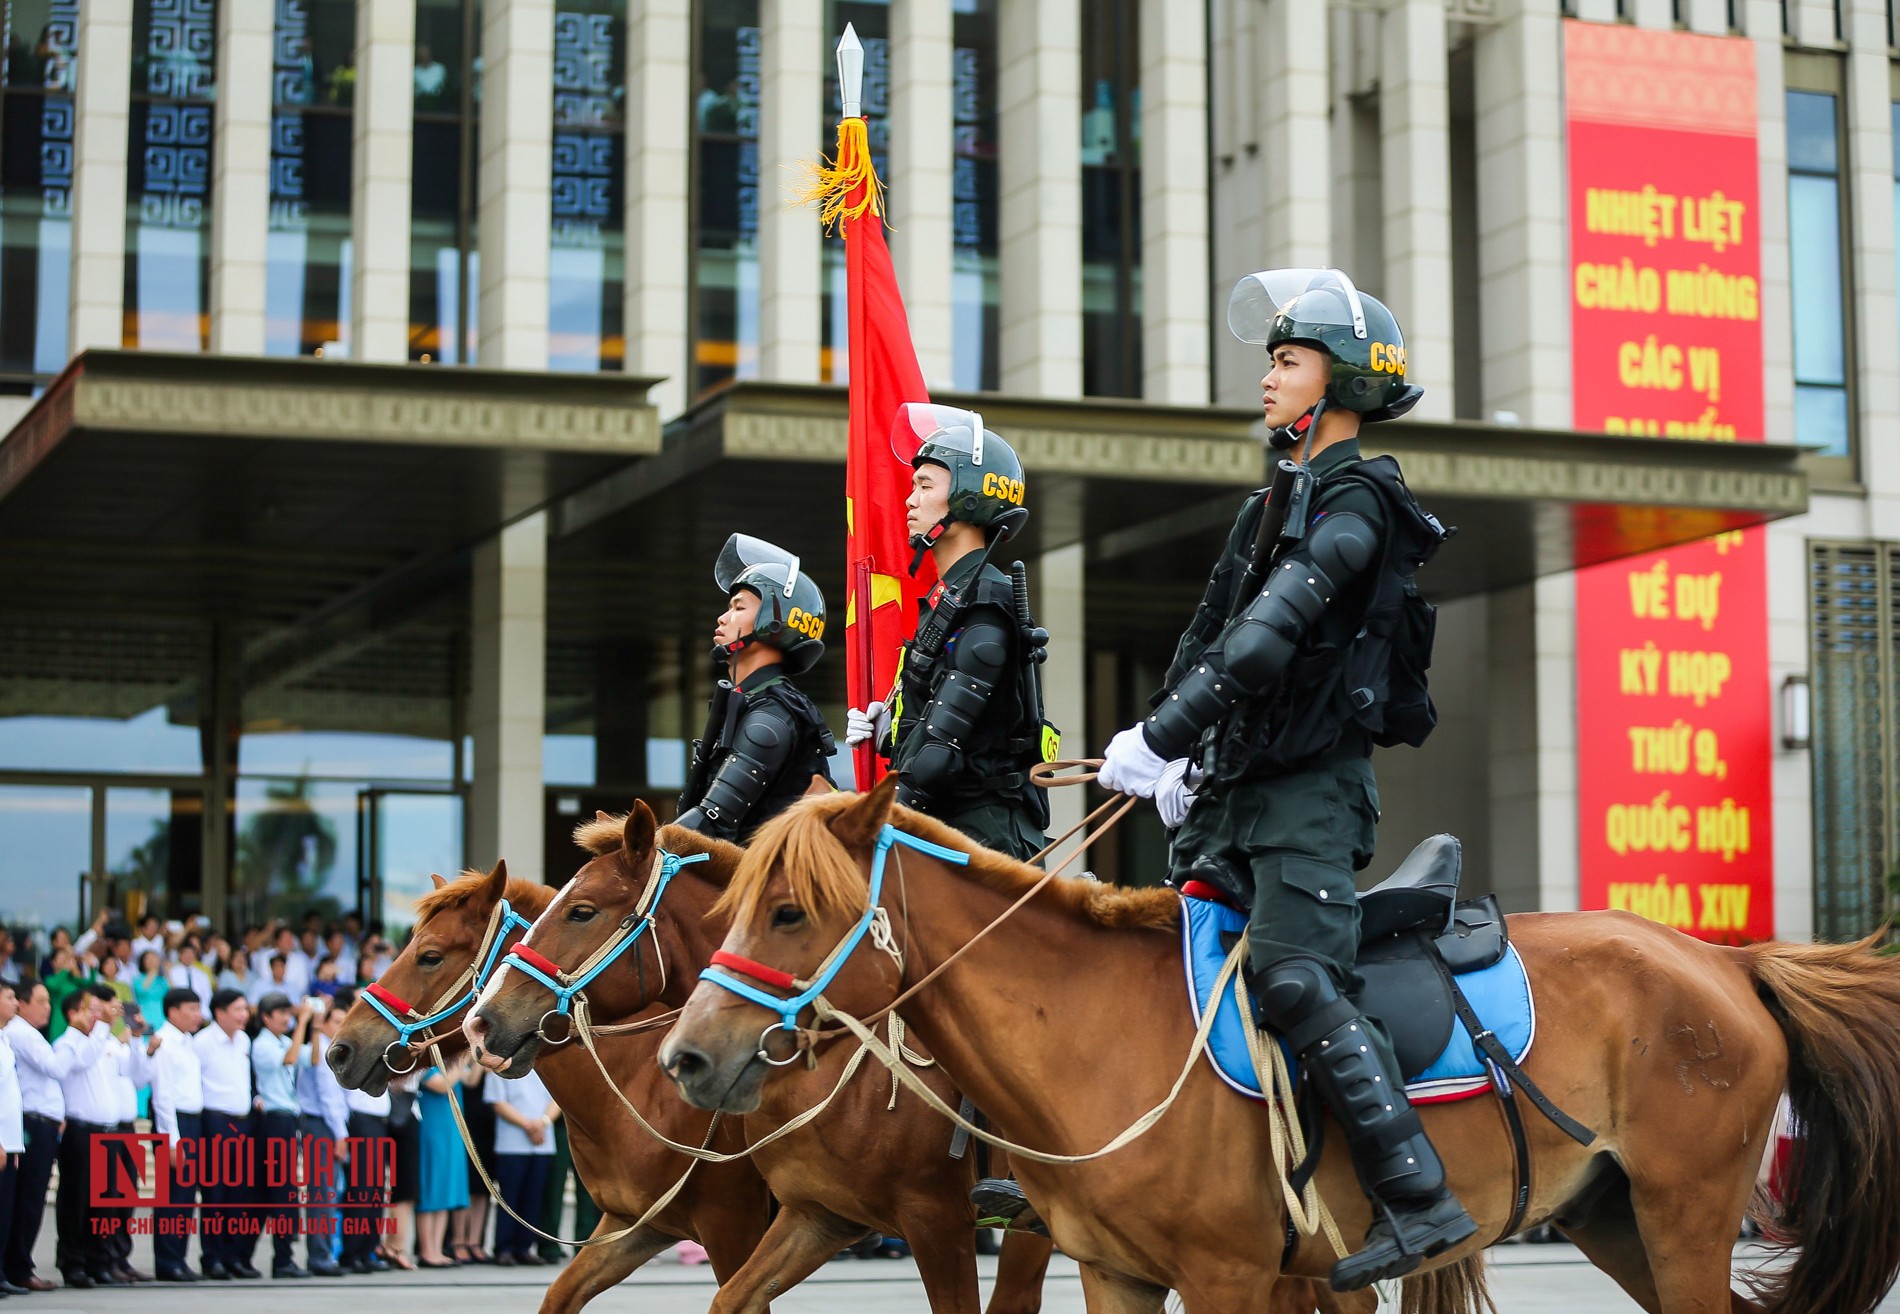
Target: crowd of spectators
(171, 1029)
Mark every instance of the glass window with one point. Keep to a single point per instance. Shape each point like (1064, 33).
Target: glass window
(1823, 414)
(37, 79)
(1111, 200)
(45, 850)
(872, 19)
(168, 183)
(313, 86)
(974, 285)
(154, 849)
(726, 193)
(585, 264)
(444, 270)
(296, 849)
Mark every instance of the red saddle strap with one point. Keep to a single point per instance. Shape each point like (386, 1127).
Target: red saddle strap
(1202, 890)
(757, 971)
(534, 959)
(389, 997)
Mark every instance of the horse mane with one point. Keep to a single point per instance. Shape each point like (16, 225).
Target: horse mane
(528, 896)
(606, 835)
(825, 876)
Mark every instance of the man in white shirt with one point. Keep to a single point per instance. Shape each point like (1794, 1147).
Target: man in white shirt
(92, 1110)
(177, 1107)
(368, 1192)
(224, 1064)
(296, 979)
(524, 1147)
(150, 936)
(322, 1114)
(12, 1127)
(40, 1071)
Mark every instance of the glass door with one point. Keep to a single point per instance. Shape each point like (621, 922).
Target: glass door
(407, 836)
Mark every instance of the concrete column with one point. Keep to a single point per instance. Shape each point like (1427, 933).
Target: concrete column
(1358, 177)
(792, 51)
(1175, 294)
(1815, 22)
(1533, 745)
(1709, 17)
(1870, 186)
(102, 108)
(382, 143)
(1040, 176)
(1060, 578)
(240, 189)
(1523, 261)
(1597, 11)
(1657, 14)
(1415, 158)
(508, 698)
(922, 180)
(1295, 153)
(659, 223)
(517, 153)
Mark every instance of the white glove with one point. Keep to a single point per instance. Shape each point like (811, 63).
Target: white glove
(1130, 766)
(873, 723)
(1174, 795)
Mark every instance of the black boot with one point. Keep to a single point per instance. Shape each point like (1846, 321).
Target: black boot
(1001, 1203)
(1414, 1216)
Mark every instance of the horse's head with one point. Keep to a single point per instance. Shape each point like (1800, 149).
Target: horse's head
(432, 973)
(597, 919)
(800, 891)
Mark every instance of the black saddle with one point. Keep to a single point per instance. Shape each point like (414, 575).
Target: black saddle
(1412, 913)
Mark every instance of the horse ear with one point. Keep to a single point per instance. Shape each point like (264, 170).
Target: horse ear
(439, 879)
(857, 826)
(642, 830)
(819, 785)
(496, 882)
(600, 815)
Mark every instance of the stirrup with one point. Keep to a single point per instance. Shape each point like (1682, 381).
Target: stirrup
(1000, 1202)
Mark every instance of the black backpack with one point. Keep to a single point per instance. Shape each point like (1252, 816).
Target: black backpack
(1386, 668)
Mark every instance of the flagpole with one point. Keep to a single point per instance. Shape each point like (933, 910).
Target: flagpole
(864, 755)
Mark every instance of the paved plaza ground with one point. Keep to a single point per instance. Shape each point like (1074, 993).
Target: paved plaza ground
(1524, 1279)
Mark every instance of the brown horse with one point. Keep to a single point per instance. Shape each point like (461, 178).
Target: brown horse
(724, 1207)
(1066, 1023)
(862, 1165)
(861, 1168)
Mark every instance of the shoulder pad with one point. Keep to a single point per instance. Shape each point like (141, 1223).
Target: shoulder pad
(766, 730)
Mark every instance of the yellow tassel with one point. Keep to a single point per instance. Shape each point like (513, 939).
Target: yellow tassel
(831, 183)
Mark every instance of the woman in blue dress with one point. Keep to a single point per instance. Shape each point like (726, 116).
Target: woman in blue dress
(444, 1186)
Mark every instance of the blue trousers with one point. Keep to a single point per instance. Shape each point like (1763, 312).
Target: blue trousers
(522, 1178)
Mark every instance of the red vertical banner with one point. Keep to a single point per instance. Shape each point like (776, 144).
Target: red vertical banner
(1674, 712)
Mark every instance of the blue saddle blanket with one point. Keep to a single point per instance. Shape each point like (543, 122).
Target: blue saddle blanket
(1500, 995)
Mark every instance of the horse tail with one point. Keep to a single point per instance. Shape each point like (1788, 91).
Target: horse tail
(1457, 1288)
(1839, 1007)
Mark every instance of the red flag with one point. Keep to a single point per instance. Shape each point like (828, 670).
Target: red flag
(882, 609)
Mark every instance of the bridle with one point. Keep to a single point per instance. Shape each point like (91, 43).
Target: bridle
(408, 1021)
(724, 964)
(566, 985)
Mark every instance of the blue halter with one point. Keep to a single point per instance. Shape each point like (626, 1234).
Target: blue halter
(789, 1009)
(634, 925)
(509, 920)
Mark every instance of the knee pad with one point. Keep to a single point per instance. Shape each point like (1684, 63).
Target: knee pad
(1299, 998)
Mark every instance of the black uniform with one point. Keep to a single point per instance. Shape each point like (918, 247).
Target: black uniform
(1289, 798)
(963, 735)
(761, 755)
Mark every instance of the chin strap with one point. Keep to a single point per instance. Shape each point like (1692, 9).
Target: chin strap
(925, 541)
(1291, 435)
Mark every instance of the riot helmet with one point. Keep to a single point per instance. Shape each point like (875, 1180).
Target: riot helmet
(986, 476)
(791, 609)
(1321, 308)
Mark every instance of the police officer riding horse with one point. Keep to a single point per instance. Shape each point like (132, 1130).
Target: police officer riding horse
(1308, 648)
(764, 738)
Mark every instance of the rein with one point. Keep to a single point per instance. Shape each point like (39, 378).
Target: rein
(567, 985)
(408, 1021)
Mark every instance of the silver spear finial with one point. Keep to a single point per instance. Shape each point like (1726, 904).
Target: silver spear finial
(851, 73)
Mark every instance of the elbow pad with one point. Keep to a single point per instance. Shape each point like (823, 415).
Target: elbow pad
(761, 746)
(1259, 644)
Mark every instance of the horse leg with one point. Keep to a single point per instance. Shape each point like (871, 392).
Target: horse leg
(1020, 1270)
(595, 1269)
(943, 1243)
(800, 1239)
(1688, 1233)
(1106, 1292)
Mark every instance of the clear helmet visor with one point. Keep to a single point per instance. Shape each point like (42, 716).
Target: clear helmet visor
(1316, 297)
(918, 423)
(743, 552)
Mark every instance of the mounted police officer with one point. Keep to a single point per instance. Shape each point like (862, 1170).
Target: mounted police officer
(764, 739)
(1259, 746)
(965, 724)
